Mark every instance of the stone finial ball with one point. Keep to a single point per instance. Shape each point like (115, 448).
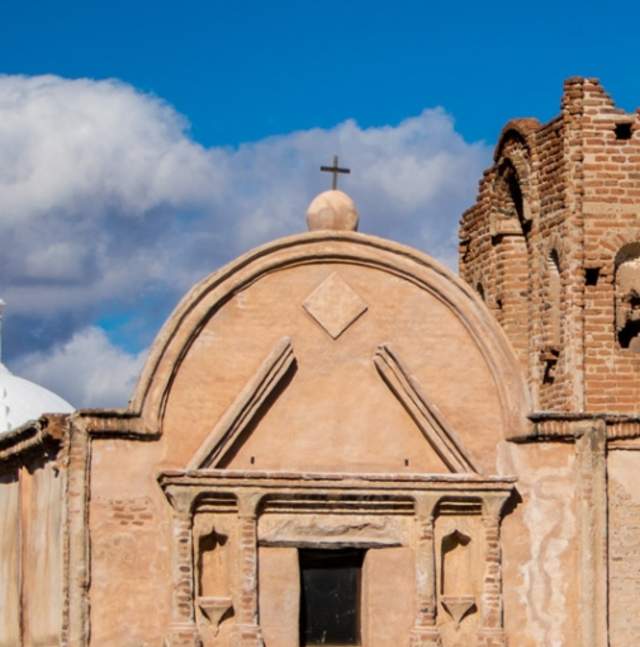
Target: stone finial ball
(332, 210)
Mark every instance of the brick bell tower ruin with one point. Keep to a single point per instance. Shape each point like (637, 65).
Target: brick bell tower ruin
(552, 245)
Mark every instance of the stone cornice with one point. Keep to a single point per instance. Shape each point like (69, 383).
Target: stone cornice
(31, 436)
(549, 426)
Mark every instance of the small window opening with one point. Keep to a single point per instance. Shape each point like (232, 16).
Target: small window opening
(591, 275)
(516, 194)
(549, 373)
(253, 460)
(549, 357)
(330, 596)
(623, 130)
(548, 376)
(406, 462)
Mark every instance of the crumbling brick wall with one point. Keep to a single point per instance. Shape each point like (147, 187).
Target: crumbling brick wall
(551, 244)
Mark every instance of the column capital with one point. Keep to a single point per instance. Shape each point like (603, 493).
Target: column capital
(425, 504)
(493, 506)
(180, 498)
(248, 503)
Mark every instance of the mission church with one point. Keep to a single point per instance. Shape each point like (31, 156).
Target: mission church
(337, 441)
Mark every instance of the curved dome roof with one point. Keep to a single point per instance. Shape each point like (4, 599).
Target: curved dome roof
(21, 401)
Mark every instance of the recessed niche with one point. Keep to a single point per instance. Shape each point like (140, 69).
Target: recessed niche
(627, 297)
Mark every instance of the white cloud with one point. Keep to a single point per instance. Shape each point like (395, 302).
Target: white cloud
(93, 174)
(87, 370)
(69, 146)
(107, 202)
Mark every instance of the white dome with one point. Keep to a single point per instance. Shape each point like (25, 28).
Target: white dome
(21, 401)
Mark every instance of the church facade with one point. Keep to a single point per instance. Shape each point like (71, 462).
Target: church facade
(337, 441)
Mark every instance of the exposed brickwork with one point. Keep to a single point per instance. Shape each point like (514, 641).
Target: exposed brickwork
(133, 511)
(554, 218)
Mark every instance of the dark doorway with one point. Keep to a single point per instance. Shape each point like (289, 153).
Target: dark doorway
(330, 596)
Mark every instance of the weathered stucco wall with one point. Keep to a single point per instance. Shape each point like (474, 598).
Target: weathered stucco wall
(9, 564)
(42, 490)
(31, 545)
(332, 412)
(130, 537)
(624, 547)
(540, 548)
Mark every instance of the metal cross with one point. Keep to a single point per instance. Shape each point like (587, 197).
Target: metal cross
(335, 169)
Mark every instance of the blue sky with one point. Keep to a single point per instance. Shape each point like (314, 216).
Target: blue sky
(144, 144)
(241, 71)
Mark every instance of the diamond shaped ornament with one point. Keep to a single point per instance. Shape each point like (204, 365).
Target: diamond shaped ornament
(334, 305)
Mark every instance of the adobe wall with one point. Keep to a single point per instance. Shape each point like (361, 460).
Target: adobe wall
(9, 564)
(32, 505)
(131, 563)
(541, 547)
(332, 412)
(624, 539)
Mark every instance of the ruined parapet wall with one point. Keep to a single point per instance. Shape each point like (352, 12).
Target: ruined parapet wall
(552, 243)
(553, 306)
(511, 242)
(611, 150)
(495, 237)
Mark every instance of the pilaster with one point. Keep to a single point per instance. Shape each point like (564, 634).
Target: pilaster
(491, 632)
(591, 465)
(76, 610)
(424, 632)
(183, 631)
(247, 630)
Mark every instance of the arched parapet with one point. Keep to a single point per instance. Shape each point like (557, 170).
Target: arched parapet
(209, 297)
(519, 131)
(514, 157)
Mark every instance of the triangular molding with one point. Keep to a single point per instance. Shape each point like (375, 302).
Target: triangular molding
(425, 413)
(245, 407)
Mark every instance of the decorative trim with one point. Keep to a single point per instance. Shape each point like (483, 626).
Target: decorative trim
(77, 556)
(326, 482)
(552, 426)
(186, 491)
(334, 305)
(245, 407)
(32, 435)
(425, 413)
